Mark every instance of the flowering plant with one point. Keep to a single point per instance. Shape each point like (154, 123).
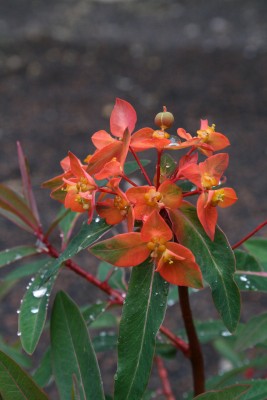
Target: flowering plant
(169, 241)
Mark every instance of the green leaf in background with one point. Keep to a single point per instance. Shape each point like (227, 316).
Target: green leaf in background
(15, 352)
(253, 332)
(15, 384)
(132, 166)
(115, 275)
(229, 393)
(234, 375)
(258, 248)
(33, 310)
(92, 312)
(72, 352)
(105, 341)
(167, 166)
(216, 260)
(9, 256)
(13, 207)
(143, 313)
(246, 262)
(252, 281)
(257, 390)
(43, 374)
(66, 225)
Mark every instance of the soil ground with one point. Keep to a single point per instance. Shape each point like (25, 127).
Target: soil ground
(63, 63)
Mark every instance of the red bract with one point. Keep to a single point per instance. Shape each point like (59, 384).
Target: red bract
(206, 176)
(147, 198)
(174, 262)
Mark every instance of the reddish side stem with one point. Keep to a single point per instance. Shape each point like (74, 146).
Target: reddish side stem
(163, 374)
(179, 343)
(141, 166)
(196, 356)
(249, 235)
(158, 168)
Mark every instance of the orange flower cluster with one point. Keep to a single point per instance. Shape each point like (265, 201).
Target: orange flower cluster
(95, 187)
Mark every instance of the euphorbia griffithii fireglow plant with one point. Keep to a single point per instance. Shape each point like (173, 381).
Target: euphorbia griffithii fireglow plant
(166, 242)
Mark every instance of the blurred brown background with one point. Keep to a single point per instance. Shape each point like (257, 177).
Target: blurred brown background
(63, 63)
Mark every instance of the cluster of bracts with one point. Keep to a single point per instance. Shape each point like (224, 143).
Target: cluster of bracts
(95, 186)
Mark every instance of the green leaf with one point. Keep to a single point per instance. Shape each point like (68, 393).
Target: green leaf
(167, 166)
(115, 275)
(43, 374)
(226, 349)
(252, 281)
(69, 332)
(13, 207)
(67, 224)
(33, 310)
(105, 341)
(246, 262)
(132, 166)
(229, 393)
(9, 256)
(142, 315)
(216, 260)
(231, 377)
(14, 352)
(258, 248)
(257, 391)
(92, 312)
(26, 270)
(254, 332)
(15, 384)
(87, 235)
(106, 320)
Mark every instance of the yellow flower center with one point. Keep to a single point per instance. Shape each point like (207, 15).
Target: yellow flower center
(204, 134)
(161, 134)
(84, 202)
(153, 197)
(84, 186)
(121, 204)
(217, 197)
(208, 181)
(157, 247)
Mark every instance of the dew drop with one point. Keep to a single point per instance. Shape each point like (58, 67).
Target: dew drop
(39, 292)
(34, 310)
(171, 302)
(18, 333)
(97, 219)
(116, 377)
(226, 333)
(243, 278)
(18, 311)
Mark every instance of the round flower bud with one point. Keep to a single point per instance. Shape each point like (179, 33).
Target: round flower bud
(164, 119)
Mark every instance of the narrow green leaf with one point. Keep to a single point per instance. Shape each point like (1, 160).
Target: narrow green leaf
(229, 393)
(33, 310)
(226, 349)
(26, 182)
(142, 315)
(87, 235)
(258, 248)
(257, 391)
(216, 260)
(68, 331)
(15, 384)
(167, 166)
(9, 256)
(105, 320)
(254, 332)
(26, 270)
(11, 202)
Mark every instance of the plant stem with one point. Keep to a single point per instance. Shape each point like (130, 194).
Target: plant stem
(141, 166)
(163, 374)
(196, 356)
(158, 168)
(250, 234)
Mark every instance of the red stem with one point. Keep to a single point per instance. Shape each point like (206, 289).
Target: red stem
(163, 374)
(179, 343)
(249, 235)
(129, 180)
(141, 166)
(196, 356)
